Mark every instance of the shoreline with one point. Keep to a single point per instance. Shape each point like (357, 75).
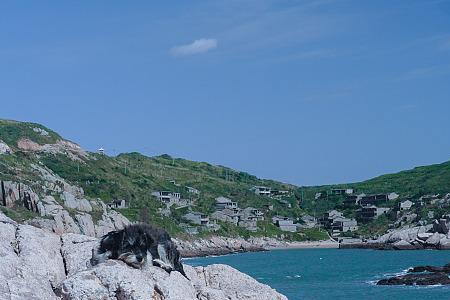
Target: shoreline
(223, 246)
(283, 245)
(326, 244)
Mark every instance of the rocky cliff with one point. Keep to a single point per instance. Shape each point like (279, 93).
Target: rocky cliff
(38, 264)
(433, 236)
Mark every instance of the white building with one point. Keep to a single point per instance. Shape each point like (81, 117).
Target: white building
(197, 218)
(225, 203)
(167, 197)
(406, 205)
(284, 223)
(261, 190)
(227, 215)
(393, 196)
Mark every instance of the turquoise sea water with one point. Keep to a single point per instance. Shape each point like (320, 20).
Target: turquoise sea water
(335, 273)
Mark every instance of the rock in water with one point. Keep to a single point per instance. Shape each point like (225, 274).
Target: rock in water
(417, 279)
(421, 275)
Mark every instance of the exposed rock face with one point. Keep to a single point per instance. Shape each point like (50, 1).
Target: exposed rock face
(218, 279)
(31, 264)
(111, 220)
(36, 264)
(55, 183)
(4, 148)
(28, 145)
(13, 192)
(222, 245)
(71, 150)
(72, 202)
(435, 236)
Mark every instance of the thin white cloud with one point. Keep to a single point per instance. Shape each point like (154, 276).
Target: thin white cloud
(424, 72)
(196, 47)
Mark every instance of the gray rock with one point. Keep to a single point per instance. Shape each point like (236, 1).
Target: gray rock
(79, 204)
(48, 206)
(435, 239)
(30, 263)
(441, 226)
(234, 284)
(85, 224)
(110, 280)
(64, 223)
(77, 251)
(110, 221)
(36, 264)
(423, 236)
(4, 148)
(444, 243)
(403, 245)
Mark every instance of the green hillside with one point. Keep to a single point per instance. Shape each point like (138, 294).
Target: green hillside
(133, 177)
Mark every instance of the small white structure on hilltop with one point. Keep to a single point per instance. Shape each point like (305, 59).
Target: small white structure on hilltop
(101, 151)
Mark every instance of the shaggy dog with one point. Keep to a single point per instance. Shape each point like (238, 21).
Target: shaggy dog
(137, 245)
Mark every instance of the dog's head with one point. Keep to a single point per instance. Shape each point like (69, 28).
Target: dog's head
(135, 245)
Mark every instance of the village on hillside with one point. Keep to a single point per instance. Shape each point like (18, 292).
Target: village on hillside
(356, 210)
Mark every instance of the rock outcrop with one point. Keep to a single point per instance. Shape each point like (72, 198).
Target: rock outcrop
(4, 148)
(433, 236)
(37, 264)
(422, 275)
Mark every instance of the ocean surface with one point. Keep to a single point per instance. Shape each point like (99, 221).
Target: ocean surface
(335, 273)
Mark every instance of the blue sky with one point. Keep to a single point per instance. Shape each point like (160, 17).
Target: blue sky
(307, 92)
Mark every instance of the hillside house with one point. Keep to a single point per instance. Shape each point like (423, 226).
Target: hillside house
(278, 193)
(225, 203)
(405, 205)
(167, 197)
(328, 218)
(350, 200)
(284, 223)
(117, 204)
(369, 213)
(340, 192)
(251, 213)
(261, 190)
(344, 225)
(373, 199)
(308, 221)
(227, 215)
(197, 218)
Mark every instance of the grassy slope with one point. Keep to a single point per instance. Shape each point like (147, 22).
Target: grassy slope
(134, 176)
(411, 183)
